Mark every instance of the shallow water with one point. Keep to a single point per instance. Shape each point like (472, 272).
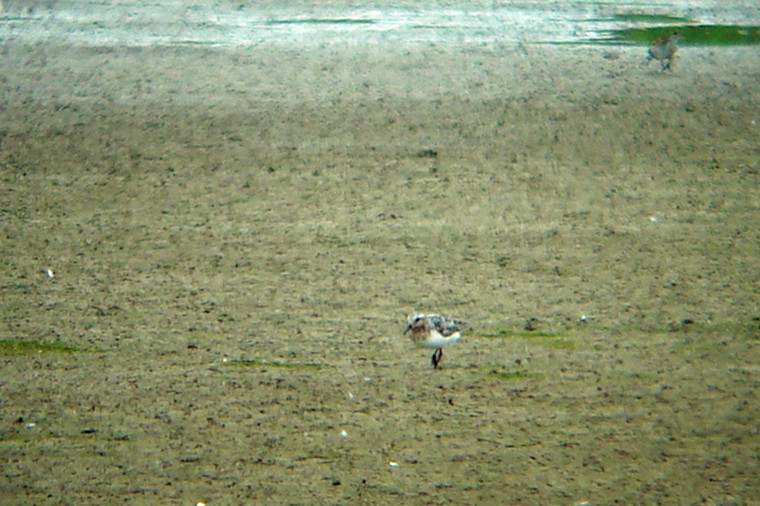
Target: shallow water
(141, 23)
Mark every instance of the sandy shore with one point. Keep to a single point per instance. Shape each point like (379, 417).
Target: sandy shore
(237, 236)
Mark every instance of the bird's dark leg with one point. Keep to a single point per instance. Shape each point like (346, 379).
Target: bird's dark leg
(436, 358)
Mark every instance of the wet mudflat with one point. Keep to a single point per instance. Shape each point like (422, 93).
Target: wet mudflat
(235, 238)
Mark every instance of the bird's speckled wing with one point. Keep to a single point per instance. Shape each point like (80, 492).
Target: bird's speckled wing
(446, 326)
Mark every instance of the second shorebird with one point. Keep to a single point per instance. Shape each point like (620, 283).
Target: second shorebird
(664, 49)
(434, 331)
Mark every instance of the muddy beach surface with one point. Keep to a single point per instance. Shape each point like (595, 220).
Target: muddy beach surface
(236, 236)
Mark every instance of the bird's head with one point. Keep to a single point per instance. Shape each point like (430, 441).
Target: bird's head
(414, 322)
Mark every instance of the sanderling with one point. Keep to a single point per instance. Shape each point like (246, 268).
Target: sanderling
(434, 331)
(664, 49)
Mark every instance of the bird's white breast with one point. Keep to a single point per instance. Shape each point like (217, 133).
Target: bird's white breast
(436, 340)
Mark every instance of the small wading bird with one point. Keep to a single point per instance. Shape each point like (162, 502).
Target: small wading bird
(434, 331)
(664, 49)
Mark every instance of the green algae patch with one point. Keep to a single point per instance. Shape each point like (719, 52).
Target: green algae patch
(508, 333)
(550, 339)
(14, 347)
(691, 35)
(272, 364)
(509, 375)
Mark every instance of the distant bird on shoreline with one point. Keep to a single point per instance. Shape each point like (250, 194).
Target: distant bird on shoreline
(434, 331)
(664, 49)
